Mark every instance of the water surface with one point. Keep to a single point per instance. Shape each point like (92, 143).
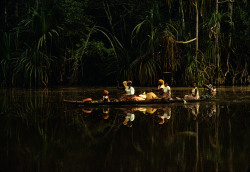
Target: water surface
(41, 133)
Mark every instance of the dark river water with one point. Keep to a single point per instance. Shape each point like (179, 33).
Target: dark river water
(39, 132)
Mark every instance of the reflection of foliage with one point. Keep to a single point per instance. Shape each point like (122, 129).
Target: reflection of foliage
(5, 48)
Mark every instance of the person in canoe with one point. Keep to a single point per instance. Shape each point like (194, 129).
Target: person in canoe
(125, 85)
(105, 97)
(194, 94)
(160, 89)
(167, 91)
(210, 89)
(129, 91)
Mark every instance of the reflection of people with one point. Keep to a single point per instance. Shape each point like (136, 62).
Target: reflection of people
(212, 110)
(194, 94)
(105, 113)
(129, 118)
(164, 115)
(151, 110)
(194, 109)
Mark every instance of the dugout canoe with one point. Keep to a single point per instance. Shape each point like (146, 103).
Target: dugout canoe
(122, 103)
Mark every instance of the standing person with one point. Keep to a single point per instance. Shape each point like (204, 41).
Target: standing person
(194, 94)
(105, 97)
(167, 91)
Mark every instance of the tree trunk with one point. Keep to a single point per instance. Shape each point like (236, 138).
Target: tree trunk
(217, 54)
(109, 16)
(182, 17)
(37, 4)
(5, 15)
(197, 33)
(16, 9)
(230, 12)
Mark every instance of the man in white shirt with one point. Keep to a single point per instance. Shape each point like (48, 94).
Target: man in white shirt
(167, 91)
(129, 89)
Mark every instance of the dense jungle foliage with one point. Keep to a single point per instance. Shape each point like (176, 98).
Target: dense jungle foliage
(102, 42)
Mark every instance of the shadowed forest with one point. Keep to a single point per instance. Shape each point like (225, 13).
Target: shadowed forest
(102, 42)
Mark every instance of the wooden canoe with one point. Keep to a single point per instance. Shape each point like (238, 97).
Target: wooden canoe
(121, 103)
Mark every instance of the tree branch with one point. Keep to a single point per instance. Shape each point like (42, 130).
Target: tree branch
(186, 42)
(225, 1)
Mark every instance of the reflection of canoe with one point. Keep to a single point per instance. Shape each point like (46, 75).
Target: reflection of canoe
(118, 103)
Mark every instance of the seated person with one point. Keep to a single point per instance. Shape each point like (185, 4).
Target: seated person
(167, 91)
(105, 97)
(151, 95)
(160, 88)
(129, 92)
(194, 93)
(124, 85)
(211, 90)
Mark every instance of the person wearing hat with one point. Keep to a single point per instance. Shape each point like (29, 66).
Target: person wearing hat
(159, 91)
(160, 88)
(161, 84)
(105, 97)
